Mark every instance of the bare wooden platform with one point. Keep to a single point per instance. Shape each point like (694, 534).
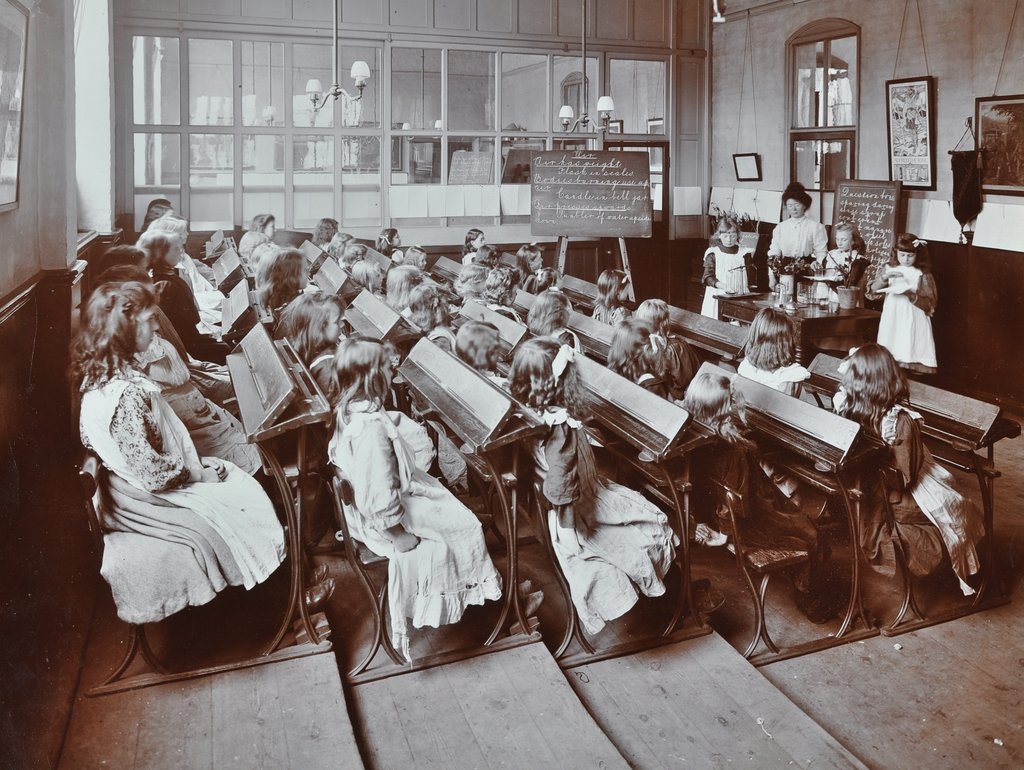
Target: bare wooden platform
(697, 704)
(282, 715)
(509, 709)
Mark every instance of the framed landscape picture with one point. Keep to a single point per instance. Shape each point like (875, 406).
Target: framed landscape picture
(910, 118)
(13, 40)
(1000, 124)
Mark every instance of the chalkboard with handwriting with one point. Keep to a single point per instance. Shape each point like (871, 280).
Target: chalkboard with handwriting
(470, 167)
(874, 209)
(591, 193)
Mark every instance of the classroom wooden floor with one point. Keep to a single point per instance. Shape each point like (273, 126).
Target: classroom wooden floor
(948, 696)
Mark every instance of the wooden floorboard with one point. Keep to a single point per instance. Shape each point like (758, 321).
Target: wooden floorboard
(508, 709)
(290, 714)
(697, 703)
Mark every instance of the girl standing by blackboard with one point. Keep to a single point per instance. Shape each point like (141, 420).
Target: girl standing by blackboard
(910, 298)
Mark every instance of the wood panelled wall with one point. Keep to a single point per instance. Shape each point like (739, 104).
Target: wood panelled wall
(640, 22)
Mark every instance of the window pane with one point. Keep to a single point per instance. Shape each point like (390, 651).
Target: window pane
(212, 182)
(522, 76)
(572, 144)
(313, 179)
(471, 90)
(157, 171)
(416, 88)
(821, 164)
(415, 160)
(156, 76)
(360, 181)
(210, 79)
(262, 176)
(638, 88)
(568, 88)
(516, 154)
(311, 63)
(470, 161)
(262, 83)
(842, 72)
(363, 111)
(807, 104)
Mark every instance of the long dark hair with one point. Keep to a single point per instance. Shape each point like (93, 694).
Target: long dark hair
(532, 381)
(910, 242)
(471, 236)
(771, 342)
(304, 323)
(874, 383)
(626, 353)
(711, 400)
(280, 278)
(105, 344)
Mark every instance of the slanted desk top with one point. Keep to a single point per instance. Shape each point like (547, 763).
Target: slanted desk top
(795, 425)
(510, 332)
(962, 422)
(275, 390)
(723, 340)
(372, 317)
(483, 415)
(643, 419)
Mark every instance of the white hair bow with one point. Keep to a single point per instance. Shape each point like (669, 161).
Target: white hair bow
(563, 358)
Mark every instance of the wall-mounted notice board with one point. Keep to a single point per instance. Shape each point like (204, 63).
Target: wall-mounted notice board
(591, 193)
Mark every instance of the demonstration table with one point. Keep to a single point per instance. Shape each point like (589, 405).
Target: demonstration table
(813, 323)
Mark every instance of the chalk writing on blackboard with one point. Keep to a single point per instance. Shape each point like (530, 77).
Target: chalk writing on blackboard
(873, 207)
(591, 193)
(469, 167)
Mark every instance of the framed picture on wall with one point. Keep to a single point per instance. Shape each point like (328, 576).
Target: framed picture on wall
(910, 117)
(747, 166)
(13, 45)
(1000, 125)
(655, 125)
(615, 126)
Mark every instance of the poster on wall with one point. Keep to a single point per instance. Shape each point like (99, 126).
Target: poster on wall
(13, 37)
(1000, 122)
(910, 115)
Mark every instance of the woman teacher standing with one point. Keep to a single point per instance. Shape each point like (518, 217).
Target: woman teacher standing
(798, 236)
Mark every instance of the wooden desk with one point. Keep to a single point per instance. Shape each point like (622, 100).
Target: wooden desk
(812, 323)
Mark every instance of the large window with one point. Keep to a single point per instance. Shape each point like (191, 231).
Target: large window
(226, 127)
(823, 95)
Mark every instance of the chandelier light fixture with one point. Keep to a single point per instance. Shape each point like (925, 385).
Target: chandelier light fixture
(360, 74)
(605, 105)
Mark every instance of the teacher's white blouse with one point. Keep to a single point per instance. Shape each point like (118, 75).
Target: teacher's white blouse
(799, 238)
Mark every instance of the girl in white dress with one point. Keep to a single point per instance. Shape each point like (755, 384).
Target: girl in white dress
(437, 560)
(905, 327)
(770, 359)
(725, 266)
(198, 524)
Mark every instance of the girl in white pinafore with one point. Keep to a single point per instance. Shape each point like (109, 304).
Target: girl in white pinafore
(158, 485)
(725, 267)
(437, 559)
(905, 327)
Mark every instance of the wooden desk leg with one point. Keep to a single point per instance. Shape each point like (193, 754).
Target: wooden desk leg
(511, 604)
(684, 602)
(986, 480)
(296, 602)
(855, 607)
